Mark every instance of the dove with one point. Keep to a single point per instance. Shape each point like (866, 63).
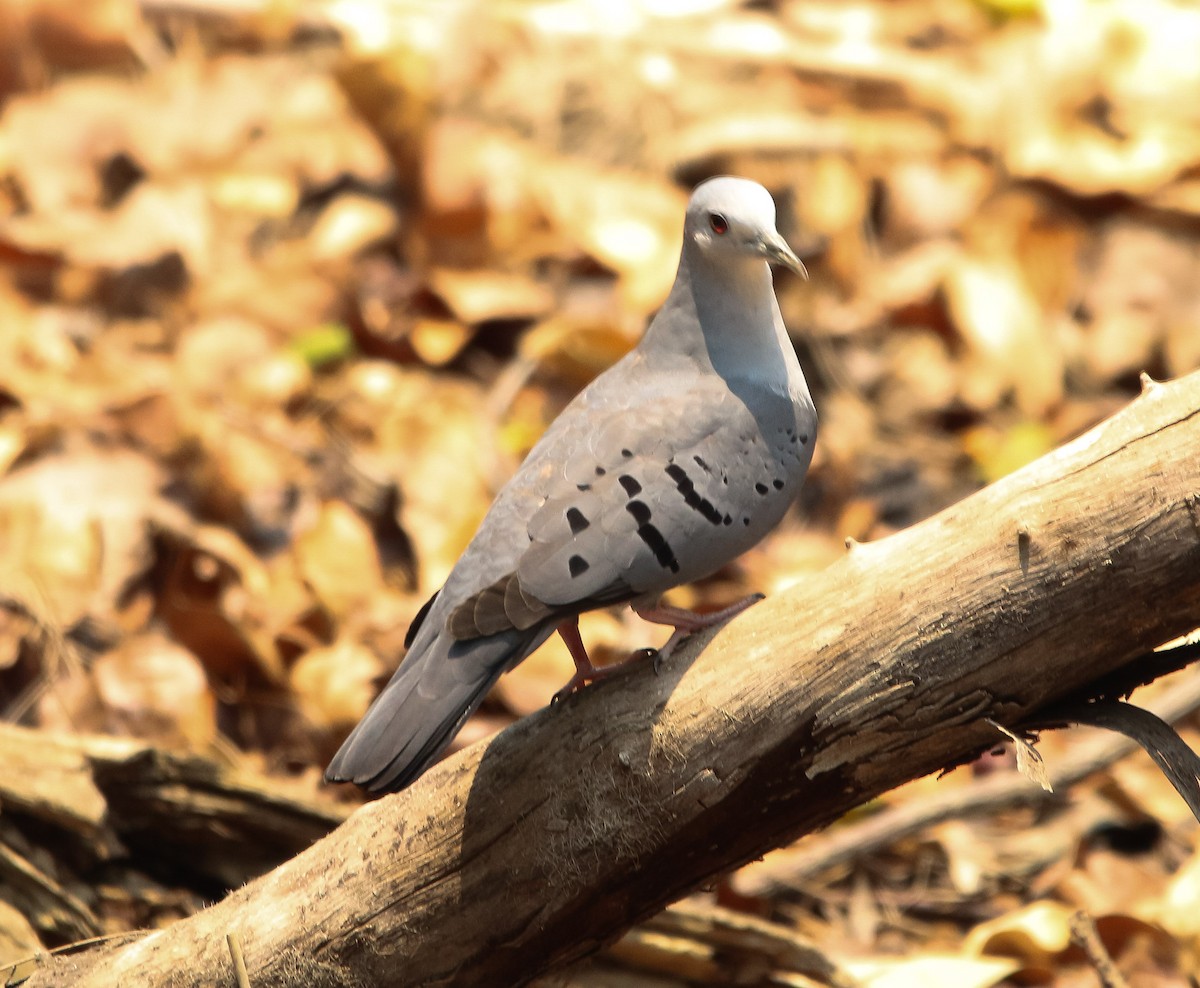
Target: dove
(669, 465)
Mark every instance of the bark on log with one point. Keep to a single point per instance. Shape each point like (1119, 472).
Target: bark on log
(519, 855)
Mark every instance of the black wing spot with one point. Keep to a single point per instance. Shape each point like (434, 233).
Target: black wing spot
(761, 488)
(627, 453)
(584, 487)
(658, 545)
(640, 511)
(576, 520)
(746, 521)
(632, 487)
(804, 439)
(702, 465)
(600, 471)
(727, 520)
(690, 496)
(652, 536)
(578, 565)
(777, 484)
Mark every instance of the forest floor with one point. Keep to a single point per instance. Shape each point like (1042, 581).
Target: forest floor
(288, 289)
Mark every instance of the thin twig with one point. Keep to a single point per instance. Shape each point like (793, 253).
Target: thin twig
(1159, 739)
(1084, 933)
(239, 961)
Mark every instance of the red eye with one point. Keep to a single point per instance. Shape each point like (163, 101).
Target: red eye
(720, 225)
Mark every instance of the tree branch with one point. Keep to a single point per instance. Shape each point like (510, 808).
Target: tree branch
(520, 855)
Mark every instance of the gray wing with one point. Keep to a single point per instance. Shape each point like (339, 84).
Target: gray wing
(631, 497)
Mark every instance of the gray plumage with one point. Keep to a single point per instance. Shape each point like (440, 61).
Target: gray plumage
(670, 464)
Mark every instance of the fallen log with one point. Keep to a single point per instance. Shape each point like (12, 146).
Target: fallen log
(522, 854)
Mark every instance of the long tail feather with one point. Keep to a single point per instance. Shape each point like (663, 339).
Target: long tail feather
(438, 686)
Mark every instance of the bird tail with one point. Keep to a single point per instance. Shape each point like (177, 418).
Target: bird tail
(438, 686)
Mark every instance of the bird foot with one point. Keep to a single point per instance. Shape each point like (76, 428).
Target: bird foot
(593, 674)
(687, 623)
(585, 672)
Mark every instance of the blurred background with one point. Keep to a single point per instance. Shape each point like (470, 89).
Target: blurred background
(289, 287)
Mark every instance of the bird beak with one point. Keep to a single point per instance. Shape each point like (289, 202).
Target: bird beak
(775, 249)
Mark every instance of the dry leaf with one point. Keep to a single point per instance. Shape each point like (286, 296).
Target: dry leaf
(276, 380)
(970, 861)
(212, 354)
(335, 685)
(1084, 104)
(430, 431)
(256, 193)
(998, 453)
(1029, 759)
(1178, 910)
(438, 341)
(576, 350)
(350, 224)
(1139, 289)
(632, 225)
(993, 308)
(933, 197)
(151, 688)
(480, 295)
(74, 530)
(193, 608)
(1036, 934)
(931, 971)
(338, 558)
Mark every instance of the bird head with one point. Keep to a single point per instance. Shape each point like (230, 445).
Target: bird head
(734, 218)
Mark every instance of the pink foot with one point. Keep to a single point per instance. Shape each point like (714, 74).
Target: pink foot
(585, 672)
(688, 623)
(684, 622)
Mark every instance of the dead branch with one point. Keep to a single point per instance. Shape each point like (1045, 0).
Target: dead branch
(533, 850)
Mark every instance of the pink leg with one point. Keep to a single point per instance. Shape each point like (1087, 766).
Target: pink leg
(688, 622)
(585, 672)
(684, 622)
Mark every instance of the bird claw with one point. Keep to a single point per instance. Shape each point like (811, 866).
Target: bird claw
(574, 686)
(656, 657)
(583, 676)
(594, 674)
